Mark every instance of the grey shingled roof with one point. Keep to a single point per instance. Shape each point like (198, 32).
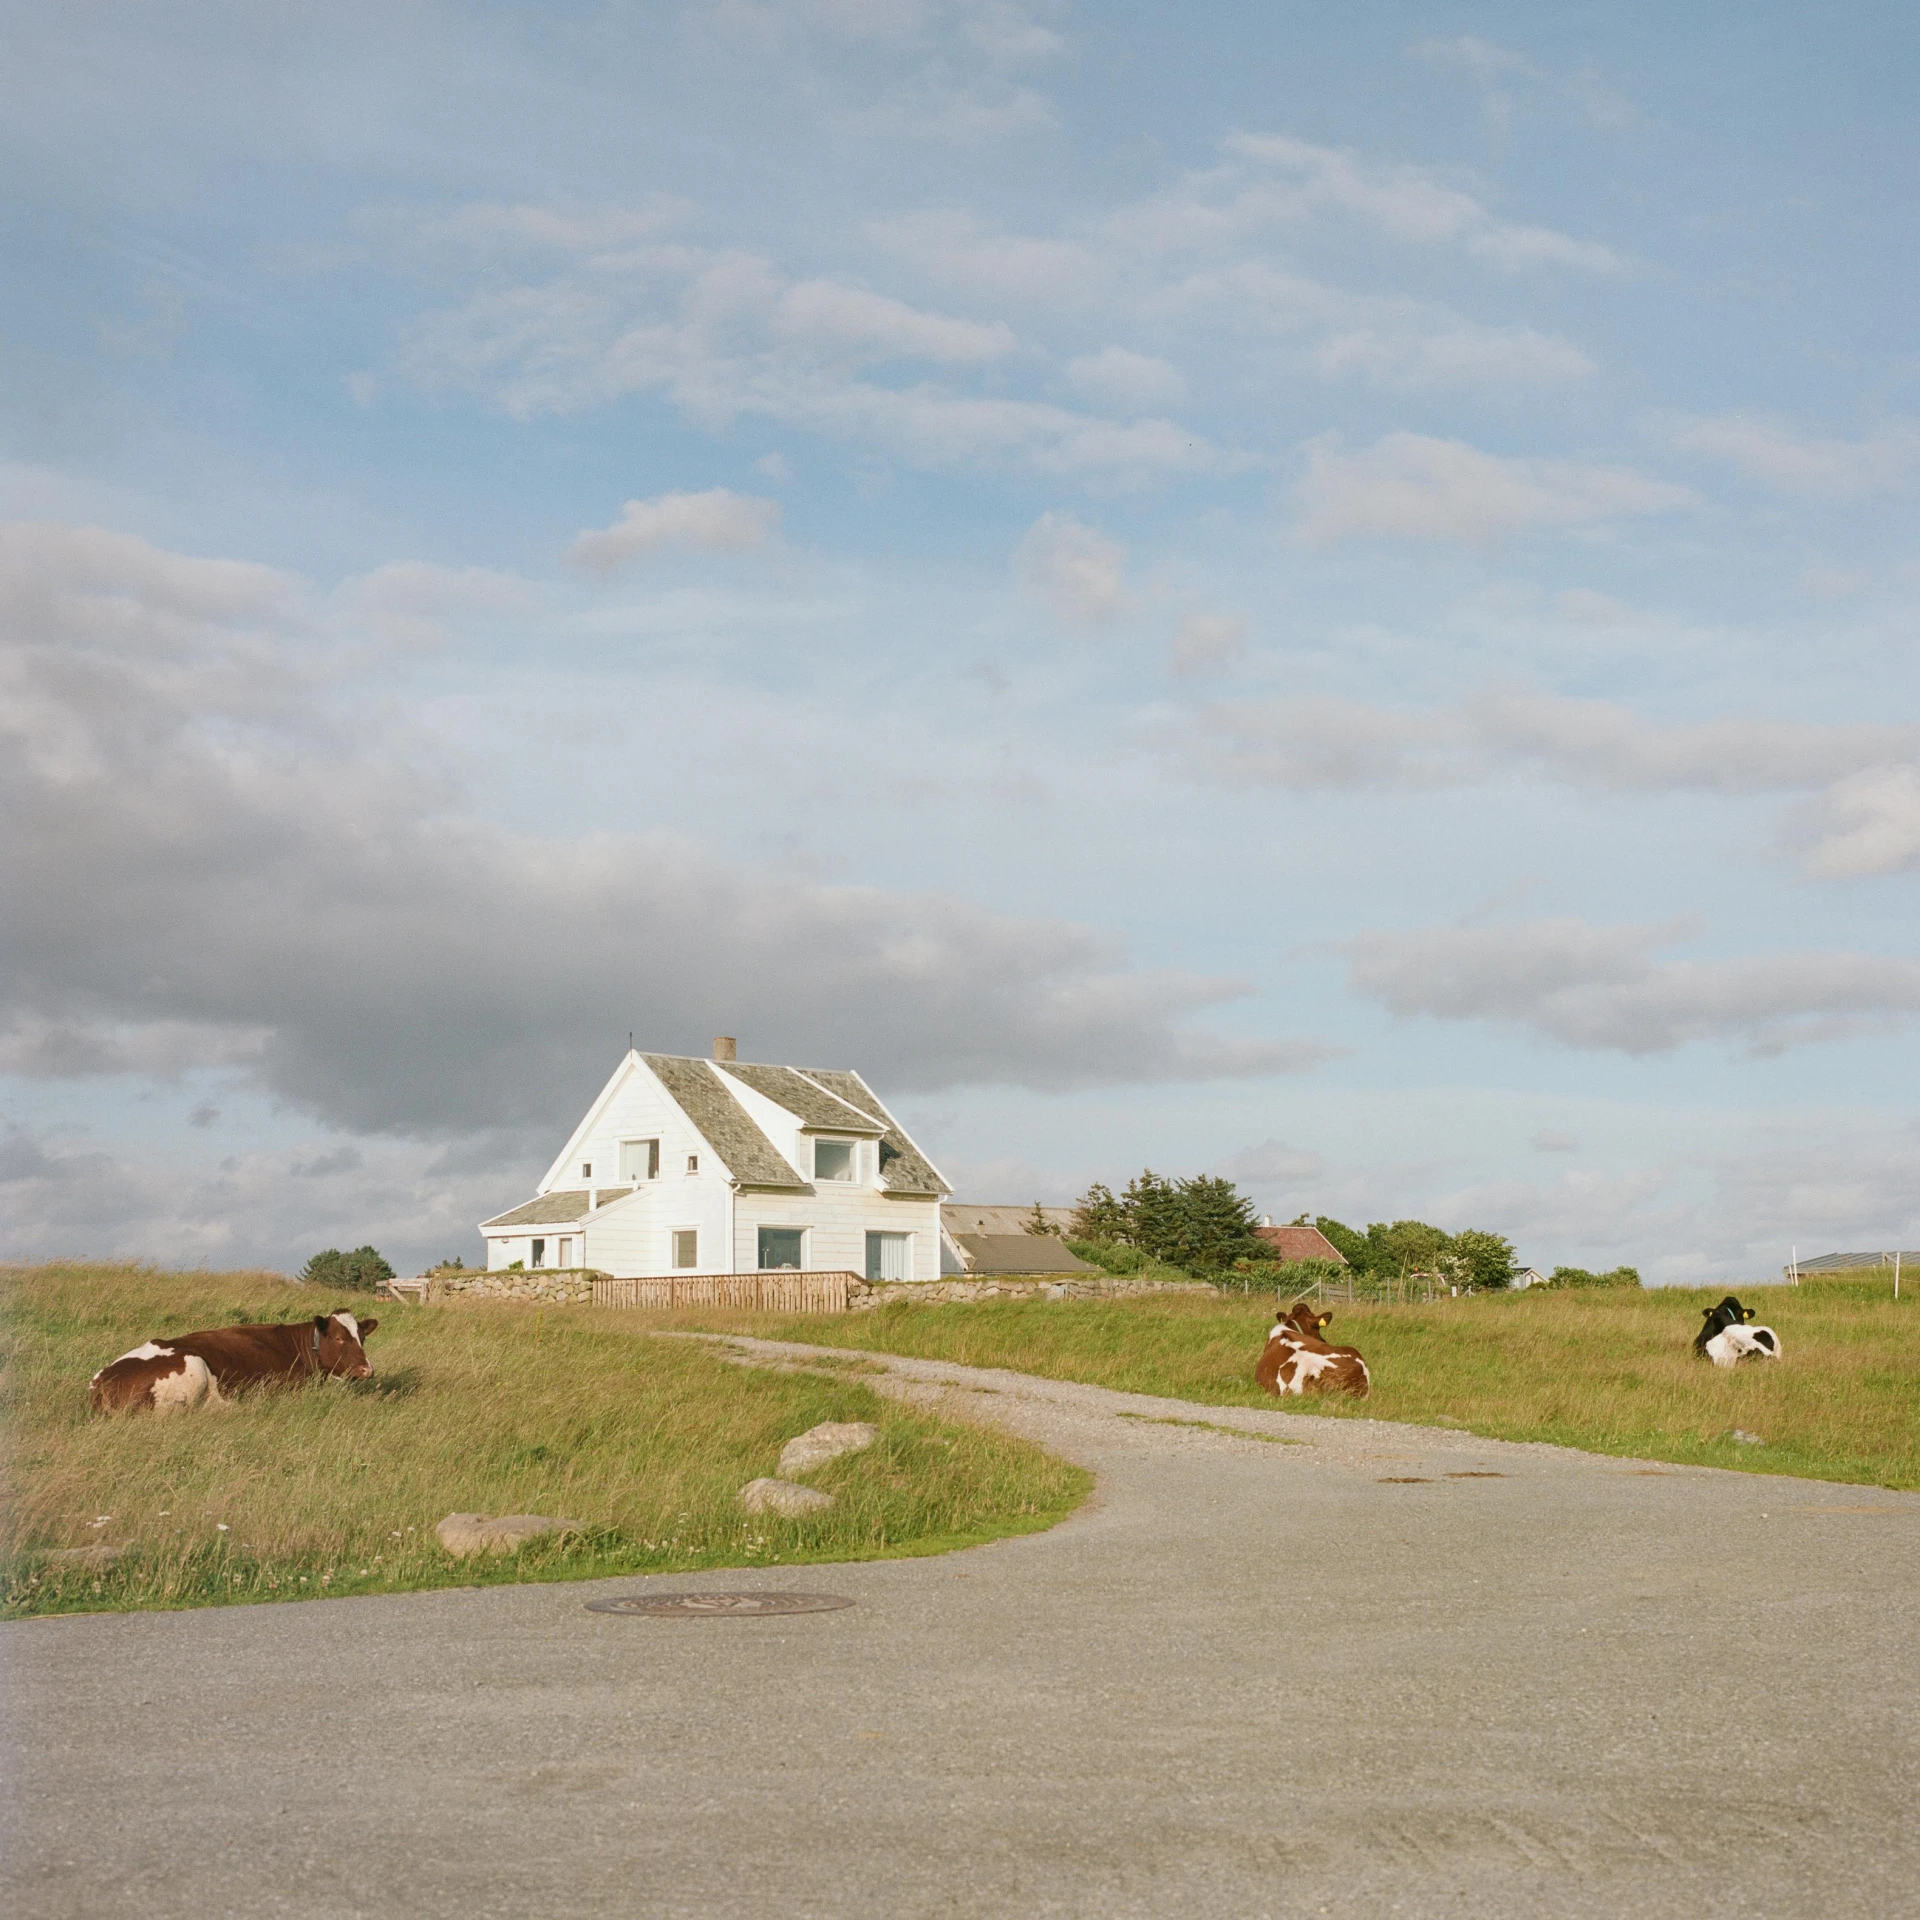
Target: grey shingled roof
(550, 1210)
(813, 1104)
(902, 1168)
(961, 1216)
(746, 1153)
(1019, 1253)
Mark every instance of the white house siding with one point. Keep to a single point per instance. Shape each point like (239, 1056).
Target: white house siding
(639, 1109)
(837, 1218)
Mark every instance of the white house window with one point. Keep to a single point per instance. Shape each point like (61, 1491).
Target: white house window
(539, 1249)
(693, 1163)
(781, 1247)
(889, 1256)
(586, 1169)
(566, 1254)
(639, 1160)
(833, 1159)
(686, 1247)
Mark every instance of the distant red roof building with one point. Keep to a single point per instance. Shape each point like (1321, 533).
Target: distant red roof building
(1300, 1243)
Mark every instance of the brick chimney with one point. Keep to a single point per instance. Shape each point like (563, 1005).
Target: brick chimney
(723, 1047)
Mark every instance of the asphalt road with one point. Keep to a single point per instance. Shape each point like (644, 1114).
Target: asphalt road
(1249, 1679)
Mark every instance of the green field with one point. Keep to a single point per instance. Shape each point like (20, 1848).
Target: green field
(1612, 1371)
(335, 1487)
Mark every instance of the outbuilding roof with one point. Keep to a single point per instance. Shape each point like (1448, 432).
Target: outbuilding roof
(1301, 1243)
(1018, 1253)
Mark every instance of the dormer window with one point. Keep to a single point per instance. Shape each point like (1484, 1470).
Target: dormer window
(833, 1159)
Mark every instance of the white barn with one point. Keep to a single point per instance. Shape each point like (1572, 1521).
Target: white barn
(691, 1166)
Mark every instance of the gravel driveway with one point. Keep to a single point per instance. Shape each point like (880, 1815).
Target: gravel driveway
(1294, 1667)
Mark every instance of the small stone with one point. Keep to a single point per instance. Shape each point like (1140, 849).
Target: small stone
(1747, 1439)
(783, 1497)
(465, 1533)
(828, 1441)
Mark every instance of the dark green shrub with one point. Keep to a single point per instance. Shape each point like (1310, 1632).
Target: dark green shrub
(1580, 1277)
(361, 1271)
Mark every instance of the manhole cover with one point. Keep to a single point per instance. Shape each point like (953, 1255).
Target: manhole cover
(719, 1606)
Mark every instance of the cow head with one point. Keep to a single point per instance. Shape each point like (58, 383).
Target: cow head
(1305, 1321)
(339, 1345)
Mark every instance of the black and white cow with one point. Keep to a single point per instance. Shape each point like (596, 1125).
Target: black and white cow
(1726, 1339)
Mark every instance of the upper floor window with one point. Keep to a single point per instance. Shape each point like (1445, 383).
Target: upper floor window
(833, 1159)
(693, 1163)
(586, 1169)
(639, 1160)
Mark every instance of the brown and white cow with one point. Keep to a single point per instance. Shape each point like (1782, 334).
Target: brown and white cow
(1298, 1360)
(192, 1369)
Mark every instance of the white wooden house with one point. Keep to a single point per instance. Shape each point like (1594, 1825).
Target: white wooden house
(693, 1166)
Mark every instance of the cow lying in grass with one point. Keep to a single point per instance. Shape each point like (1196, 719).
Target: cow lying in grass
(1297, 1360)
(194, 1369)
(1726, 1339)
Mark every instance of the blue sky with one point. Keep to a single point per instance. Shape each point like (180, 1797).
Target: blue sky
(1241, 590)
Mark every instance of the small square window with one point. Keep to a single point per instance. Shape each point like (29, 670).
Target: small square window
(780, 1247)
(693, 1163)
(586, 1169)
(686, 1248)
(833, 1159)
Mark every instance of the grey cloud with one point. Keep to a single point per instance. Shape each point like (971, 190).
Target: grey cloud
(1548, 1141)
(1601, 988)
(1866, 821)
(202, 852)
(1273, 1163)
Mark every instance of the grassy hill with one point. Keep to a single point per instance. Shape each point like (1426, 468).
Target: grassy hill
(1612, 1371)
(335, 1487)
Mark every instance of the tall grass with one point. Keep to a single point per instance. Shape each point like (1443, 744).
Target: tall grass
(335, 1487)
(1612, 1371)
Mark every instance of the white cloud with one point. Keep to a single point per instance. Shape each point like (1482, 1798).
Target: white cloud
(1077, 571)
(1311, 743)
(217, 855)
(1600, 987)
(1822, 469)
(726, 335)
(1206, 642)
(1131, 382)
(717, 521)
(825, 314)
(1409, 486)
(1866, 823)
(1275, 180)
(414, 605)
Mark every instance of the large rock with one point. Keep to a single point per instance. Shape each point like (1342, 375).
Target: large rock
(784, 1498)
(828, 1441)
(465, 1533)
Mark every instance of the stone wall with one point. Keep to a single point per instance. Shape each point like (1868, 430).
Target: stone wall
(572, 1287)
(1076, 1286)
(552, 1287)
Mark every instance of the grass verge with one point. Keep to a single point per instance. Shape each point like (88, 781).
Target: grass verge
(334, 1488)
(1609, 1371)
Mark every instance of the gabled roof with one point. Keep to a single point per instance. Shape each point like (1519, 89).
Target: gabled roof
(560, 1209)
(962, 1216)
(1300, 1243)
(746, 1153)
(904, 1169)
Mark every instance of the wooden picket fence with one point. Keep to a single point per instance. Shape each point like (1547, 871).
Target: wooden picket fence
(762, 1292)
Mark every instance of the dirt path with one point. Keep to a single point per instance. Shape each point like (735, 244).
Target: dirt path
(1383, 1670)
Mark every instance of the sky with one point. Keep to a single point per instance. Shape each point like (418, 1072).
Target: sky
(1316, 594)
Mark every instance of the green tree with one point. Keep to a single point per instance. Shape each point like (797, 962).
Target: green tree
(1353, 1246)
(1486, 1259)
(1037, 1222)
(1580, 1277)
(1099, 1217)
(1405, 1247)
(361, 1271)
